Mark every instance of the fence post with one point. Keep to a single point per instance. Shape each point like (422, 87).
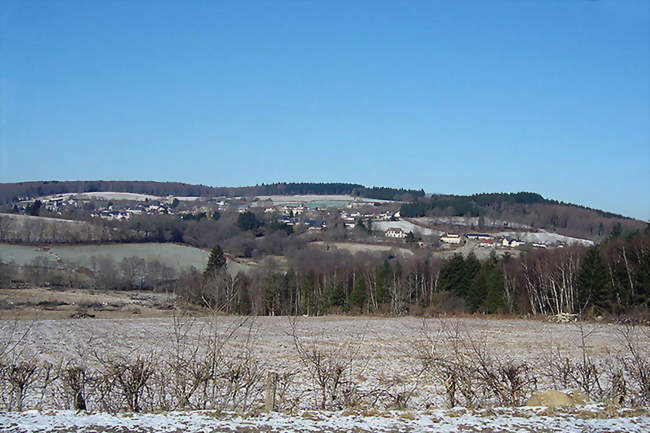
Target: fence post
(269, 392)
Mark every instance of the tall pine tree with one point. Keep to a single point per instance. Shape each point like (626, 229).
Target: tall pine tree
(592, 283)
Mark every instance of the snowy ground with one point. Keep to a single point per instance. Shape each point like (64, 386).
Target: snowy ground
(382, 348)
(356, 247)
(317, 197)
(104, 195)
(545, 237)
(407, 226)
(587, 419)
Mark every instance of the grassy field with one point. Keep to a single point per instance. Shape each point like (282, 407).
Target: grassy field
(177, 256)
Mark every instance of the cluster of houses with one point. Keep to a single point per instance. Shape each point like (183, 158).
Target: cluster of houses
(291, 214)
(486, 240)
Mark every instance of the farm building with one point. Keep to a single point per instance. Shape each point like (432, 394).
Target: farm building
(450, 239)
(395, 232)
(478, 236)
(512, 242)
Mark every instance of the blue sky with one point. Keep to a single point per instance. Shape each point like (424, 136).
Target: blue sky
(452, 97)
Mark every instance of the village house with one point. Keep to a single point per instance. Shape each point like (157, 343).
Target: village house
(478, 236)
(486, 242)
(450, 239)
(512, 242)
(395, 232)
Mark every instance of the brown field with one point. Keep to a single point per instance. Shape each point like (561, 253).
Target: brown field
(46, 303)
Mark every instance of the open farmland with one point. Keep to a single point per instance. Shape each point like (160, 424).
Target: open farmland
(380, 358)
(177, 256)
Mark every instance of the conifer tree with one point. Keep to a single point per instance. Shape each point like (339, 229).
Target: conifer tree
(592, 282)
(216, 262)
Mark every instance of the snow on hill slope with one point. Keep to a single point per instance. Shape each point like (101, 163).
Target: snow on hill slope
(407, 226)
(544, 237)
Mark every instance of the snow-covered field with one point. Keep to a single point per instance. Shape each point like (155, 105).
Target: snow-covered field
(358, 247)
(407, 226)
(23, 219)
(306, 198)
(177, 256)
(495, 420)
(469, 221)
(382, 354)
(105, 195)
(383, 348)
(545, 237)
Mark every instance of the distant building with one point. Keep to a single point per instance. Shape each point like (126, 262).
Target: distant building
(395, 233)
(512, 242)
(478, 236)
(486, 242)
(451, 239)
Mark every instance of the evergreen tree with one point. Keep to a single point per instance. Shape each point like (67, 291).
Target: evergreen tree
(216, 262)
(410, 238)
(617, 231)
(337, 296)
(452, 275)
(357, 296)
(247, 221)
(35, 209)
(493, 301)
(592, 282)
(478, 289)
(383, 282)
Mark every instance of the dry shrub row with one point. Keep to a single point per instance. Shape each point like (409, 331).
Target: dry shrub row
(217, 368)
(471, 374)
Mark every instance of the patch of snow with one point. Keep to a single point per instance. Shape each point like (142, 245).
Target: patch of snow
(105, 195)
(407, 226)
(458, 419)
(545, 237)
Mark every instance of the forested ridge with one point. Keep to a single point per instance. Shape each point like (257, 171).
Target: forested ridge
(11, 192)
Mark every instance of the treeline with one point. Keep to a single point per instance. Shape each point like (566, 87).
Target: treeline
(28, 229)
(612, 278)
(104, 272)
(469, 205)
(284, 188)
(12, 192)
(384, 193)
(525, 208)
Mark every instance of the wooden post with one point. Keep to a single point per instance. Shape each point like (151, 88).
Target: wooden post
(269, 393)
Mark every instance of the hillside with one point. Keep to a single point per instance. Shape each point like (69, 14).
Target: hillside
(11, 192)
(486, 211)
(522, 211)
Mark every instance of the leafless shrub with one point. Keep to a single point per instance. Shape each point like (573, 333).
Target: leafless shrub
(287, 397)
(636, 363)
(19, 377)
(75, 378)
(584, 374)
(470, 373)
(330, 369)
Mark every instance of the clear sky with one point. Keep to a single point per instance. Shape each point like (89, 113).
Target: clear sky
(453, 97)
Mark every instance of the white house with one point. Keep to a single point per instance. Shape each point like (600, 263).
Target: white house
(450, 239)
(395, 232)
(512, 243)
